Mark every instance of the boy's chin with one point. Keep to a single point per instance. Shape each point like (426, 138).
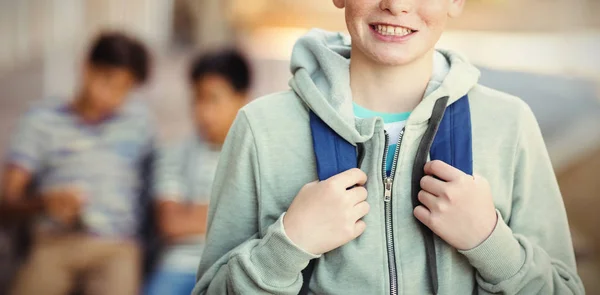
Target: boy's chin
(393, 55)
(395, 59)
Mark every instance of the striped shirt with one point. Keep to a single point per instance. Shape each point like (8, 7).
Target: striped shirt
(103, 160)
(185, 173)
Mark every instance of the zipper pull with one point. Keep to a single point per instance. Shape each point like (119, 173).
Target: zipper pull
(388, 189)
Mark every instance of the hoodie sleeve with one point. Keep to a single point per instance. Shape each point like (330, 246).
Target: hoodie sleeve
(236, 258)
(532, 252)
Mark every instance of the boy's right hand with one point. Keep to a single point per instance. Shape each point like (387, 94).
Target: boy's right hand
(326, 215)
(63, 204)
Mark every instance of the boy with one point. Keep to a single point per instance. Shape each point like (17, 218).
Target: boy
(220, 83)
(503, 230)
(85, 158)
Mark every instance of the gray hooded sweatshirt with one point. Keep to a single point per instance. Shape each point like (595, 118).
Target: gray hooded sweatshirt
(268, 156)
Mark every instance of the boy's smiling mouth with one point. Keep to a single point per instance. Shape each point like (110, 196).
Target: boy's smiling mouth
(388, 30)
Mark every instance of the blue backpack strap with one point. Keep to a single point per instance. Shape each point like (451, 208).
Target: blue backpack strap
(447, 138)
(453, 142)
(334, 155)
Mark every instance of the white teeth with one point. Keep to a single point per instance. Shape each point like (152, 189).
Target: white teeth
(392, 31)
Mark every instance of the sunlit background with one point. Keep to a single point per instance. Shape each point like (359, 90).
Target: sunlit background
(545, 51)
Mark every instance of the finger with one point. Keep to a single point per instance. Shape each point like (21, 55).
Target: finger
(357, 194)
(359, 228)
(362, 209)
(443, 171)
(349, 178)
(433, 185)
(428, 200)
(423, 215)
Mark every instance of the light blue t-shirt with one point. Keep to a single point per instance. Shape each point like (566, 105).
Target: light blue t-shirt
(393, 124)
(184, 173)
(103, 160)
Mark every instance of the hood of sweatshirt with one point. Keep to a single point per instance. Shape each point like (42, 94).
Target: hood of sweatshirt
(321, 77)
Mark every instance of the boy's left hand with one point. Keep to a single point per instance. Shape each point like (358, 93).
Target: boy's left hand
(457, 207)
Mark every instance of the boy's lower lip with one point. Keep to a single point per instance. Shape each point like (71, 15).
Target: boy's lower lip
(390, 38)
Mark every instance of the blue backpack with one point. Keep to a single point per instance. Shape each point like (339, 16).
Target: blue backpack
(447, 138)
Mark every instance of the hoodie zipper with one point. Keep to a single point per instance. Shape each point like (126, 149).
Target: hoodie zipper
(387, 185)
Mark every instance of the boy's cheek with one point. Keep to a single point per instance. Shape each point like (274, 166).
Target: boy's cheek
(434, 17)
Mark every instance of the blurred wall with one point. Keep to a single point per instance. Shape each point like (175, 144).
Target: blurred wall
(510, 15)
(43, 41)
(31, 30)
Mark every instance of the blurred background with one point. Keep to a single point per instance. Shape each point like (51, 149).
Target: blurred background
(544, 51)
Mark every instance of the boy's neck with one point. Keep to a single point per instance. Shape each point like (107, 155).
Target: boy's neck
(390, 89)
(85, 113)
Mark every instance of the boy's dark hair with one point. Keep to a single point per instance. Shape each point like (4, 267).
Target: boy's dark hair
(119, 50)
(229, 64)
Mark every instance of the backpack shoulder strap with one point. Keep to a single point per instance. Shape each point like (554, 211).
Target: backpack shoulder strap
(448, 138)
(453, 142)
(333, 155)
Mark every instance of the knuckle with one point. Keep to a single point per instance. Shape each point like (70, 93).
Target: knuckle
(359, 228)
(451, 198)
(358, 172)
(434, 222)
(442, 207)
(366, 208)
(451, 192)
(330, 185)
(363, 192)
(307, 186)
(421, 198)
(446, 192)
(436, 165)
(466, 179)
(348, 230)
